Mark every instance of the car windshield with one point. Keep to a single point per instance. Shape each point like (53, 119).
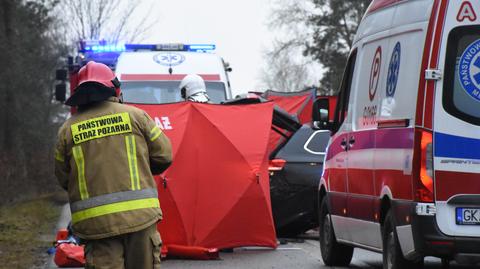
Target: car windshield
(162, 92)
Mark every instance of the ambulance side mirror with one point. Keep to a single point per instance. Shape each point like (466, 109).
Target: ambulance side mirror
(321, 114)
(61, 92)
(227, 66)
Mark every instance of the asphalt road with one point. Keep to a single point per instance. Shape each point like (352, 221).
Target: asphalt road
(301, 254)
(304, 255)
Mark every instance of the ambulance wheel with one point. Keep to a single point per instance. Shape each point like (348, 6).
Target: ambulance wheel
(392, 254)
(333, 253)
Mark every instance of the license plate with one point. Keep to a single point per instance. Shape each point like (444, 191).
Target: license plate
(468, 216)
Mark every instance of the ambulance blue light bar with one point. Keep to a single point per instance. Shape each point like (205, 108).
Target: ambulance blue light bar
(140, 47)
(201, 47)
(171, 47)
(102, 46)
(106, 48)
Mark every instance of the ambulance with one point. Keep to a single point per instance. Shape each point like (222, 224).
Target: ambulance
(402, 167)
(151, 73)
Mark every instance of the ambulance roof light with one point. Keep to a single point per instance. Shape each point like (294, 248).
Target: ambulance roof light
(172, 47)
(140, 47)
(103, 46)
(201, 47)
(100, 46)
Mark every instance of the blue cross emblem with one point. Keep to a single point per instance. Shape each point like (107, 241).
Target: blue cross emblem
(169, 59)
(393, 70)
(469, 70)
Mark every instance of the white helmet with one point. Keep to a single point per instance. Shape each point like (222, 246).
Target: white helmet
(193, 89)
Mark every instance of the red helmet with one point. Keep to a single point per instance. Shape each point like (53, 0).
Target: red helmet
(96, 82)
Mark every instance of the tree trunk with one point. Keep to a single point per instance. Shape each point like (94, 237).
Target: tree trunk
(9, 102)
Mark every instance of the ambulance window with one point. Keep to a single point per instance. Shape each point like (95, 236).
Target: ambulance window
(216, 91)
(162, 92)
(344, 93)
(461, 95)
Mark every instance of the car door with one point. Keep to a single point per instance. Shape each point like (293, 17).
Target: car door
(337, 156)
(369, 85)
(456, 140)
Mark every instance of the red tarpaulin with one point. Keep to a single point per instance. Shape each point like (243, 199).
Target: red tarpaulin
(298, 104)
(216, 194)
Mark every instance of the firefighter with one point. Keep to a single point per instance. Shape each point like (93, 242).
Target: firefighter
(105, 157)
(193, 89)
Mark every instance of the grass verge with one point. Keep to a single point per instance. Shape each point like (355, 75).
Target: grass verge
(26, 231)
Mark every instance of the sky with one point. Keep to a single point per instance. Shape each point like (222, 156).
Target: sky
(237, 28)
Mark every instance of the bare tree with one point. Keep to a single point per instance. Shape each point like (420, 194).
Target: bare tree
(110, 20)
(285, 72)
(6, 94)
(323, 30)
(287, 68)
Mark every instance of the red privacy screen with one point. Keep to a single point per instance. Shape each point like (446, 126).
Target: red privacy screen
(216, 194)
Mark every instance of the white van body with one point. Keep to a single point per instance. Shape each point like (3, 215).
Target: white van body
(152, 77)
(405, 147)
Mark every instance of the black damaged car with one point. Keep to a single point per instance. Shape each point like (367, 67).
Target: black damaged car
(295, 170)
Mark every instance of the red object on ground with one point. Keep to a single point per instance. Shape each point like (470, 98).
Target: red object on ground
(197, 253)
(62, 234)
(216, 194)
(69, 255)
(298, 104)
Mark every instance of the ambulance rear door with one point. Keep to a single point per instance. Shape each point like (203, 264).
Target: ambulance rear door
(456, 118)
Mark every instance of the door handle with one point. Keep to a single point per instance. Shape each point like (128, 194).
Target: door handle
(343, 144)
(351, 141)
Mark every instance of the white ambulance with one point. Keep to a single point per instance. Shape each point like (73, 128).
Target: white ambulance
(151, 73)
(402, 169)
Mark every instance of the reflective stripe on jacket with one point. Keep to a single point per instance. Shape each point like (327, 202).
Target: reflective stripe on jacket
(104, 158)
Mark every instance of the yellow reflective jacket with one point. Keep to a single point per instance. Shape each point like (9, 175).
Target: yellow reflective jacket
(105, 157)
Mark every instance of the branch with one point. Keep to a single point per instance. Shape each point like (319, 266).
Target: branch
(348, 33)
(142, 27)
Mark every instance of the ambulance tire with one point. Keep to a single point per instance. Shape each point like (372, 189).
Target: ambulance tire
(333, 253)
(392, 254)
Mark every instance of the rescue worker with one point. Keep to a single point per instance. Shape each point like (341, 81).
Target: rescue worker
(105, 157)
(193, 89)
